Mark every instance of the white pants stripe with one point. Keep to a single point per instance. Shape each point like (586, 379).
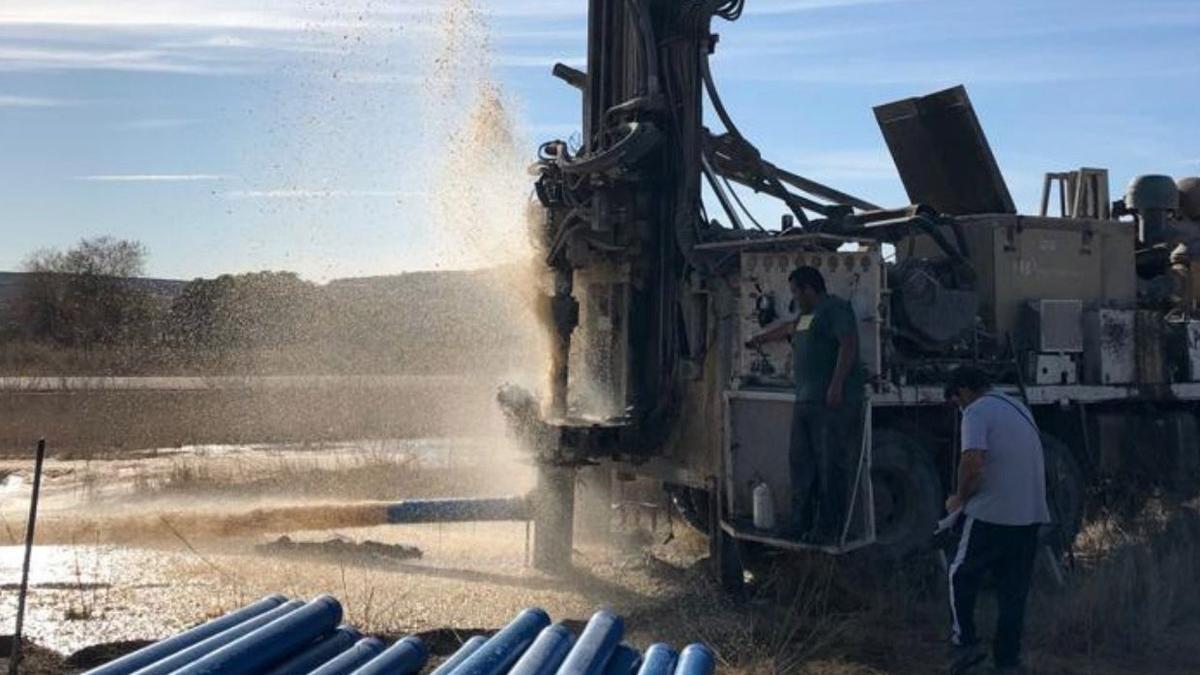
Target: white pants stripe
(959, 556)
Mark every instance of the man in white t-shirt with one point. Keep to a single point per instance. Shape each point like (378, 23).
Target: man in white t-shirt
(1002, 495)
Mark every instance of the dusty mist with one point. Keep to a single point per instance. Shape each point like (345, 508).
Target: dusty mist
(481, 212)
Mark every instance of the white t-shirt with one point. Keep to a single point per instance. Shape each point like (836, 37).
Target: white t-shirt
(1013, 488)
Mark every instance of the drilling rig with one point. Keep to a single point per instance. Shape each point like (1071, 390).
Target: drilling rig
(1088, 310)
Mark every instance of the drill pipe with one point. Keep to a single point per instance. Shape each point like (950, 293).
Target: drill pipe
(458, 510)
(595, 646)
(504, 648)
(348, 661)
(319, 652)
(546, 653)
(164, 648)
(405, 657)
(696, 659)
(183, 657)
(259, 650)
(659, 660)
(624, 661)
(464, 652)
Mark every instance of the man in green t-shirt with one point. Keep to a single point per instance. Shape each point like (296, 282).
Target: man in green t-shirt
(827, 416)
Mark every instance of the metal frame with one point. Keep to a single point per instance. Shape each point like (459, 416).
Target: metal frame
(909, 395)
(863, 469)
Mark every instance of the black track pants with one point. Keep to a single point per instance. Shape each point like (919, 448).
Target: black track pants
(824, 448)
(1007, 552)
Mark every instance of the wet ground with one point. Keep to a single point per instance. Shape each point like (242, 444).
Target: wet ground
(137, 547)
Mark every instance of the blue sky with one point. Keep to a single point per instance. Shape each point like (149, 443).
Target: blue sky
(314, 135)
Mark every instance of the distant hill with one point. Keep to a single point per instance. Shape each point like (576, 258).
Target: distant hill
(10, 285)
(164, 290)
(451, 304)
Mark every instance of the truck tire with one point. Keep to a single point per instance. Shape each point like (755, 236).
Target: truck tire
(1064, 494)
(908, 494)
(692, 504)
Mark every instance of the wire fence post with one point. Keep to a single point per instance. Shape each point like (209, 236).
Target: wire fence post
(14, 660)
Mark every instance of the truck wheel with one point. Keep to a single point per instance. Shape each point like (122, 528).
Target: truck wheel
(692, 504)
(907, 493)
(1064, 494)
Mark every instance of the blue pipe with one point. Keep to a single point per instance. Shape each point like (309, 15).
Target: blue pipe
(658, 660)
(319, 652)
(596, 644)
(184, 657)
(164, 648)
(624, 661)
(348, 661)
(458, 510)
(505, 647)
(405, 657)
(546, 653)
(465, 651)
(696, 659)
(258, 651)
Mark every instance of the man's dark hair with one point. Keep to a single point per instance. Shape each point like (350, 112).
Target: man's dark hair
(967, 377)
(808, 277)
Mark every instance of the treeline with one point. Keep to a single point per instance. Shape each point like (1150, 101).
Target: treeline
(91, 300)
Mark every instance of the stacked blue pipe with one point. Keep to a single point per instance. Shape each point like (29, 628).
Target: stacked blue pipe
(280, 637)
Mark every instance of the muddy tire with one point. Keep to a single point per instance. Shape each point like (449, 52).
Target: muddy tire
(908, 495)
(1064, 494)
(692, 504)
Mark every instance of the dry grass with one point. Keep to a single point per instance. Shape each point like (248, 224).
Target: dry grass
(1136, 590)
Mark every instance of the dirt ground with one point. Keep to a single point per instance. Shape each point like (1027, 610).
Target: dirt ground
(135, 547)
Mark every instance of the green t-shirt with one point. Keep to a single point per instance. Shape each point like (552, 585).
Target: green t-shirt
(815, 351)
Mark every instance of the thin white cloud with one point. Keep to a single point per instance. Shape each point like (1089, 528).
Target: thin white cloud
(10, 101)
(138, 60)
(151, 177)
(264, 15)
(252, 41)
(296, 193)
(155, 123)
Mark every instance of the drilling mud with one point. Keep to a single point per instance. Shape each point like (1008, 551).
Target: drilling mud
(341, 549)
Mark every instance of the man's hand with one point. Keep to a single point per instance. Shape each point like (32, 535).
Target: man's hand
(834, 396)
(953, 503)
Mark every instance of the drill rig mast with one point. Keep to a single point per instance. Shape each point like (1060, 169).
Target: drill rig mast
(624, 215)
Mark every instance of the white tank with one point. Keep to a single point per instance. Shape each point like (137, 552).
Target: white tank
(764, 507)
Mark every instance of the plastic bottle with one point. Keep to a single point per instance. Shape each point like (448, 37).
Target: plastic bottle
(763, 507)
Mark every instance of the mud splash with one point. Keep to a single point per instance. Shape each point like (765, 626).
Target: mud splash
(203, 523)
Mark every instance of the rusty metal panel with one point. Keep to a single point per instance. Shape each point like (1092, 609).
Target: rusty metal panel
(1019, 259)
(942, 154)
(1109, 347)
(1151, 336)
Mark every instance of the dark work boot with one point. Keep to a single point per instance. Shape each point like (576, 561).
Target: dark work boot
(965, 657)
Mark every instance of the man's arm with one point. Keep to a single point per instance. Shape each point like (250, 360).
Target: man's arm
(847, 349)
(782, 330)
(970, 475)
